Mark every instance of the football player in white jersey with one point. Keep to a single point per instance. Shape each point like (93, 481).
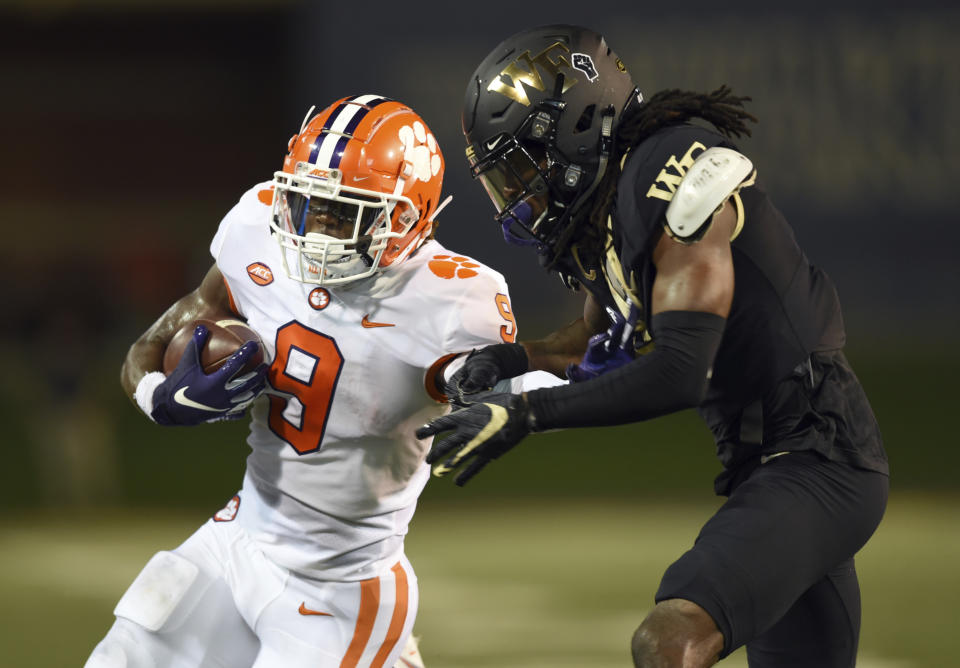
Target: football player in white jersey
(363, 317)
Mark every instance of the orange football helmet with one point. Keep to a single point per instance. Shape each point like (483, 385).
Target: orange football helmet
(359, 190)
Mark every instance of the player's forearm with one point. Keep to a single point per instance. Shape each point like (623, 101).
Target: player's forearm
(556, 351)
(146, 354)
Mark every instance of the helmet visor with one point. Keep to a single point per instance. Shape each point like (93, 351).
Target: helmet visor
(331, 217)
(514, 179)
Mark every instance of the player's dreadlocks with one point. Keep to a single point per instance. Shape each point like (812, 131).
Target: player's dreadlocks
(720, 108)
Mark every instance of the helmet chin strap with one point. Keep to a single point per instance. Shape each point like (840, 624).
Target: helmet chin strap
(606, 147)
(543, 128)
(580, 201)
(567, 222)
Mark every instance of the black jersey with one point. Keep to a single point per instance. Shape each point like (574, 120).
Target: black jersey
(785, 311)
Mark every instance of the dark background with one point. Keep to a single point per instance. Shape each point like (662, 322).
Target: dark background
(128, 129)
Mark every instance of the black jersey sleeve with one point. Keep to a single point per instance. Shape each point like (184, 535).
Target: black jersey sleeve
(672, 377)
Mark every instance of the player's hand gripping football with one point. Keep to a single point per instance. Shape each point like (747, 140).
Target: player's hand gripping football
(189, 396)
(482, 432)
(482, 370)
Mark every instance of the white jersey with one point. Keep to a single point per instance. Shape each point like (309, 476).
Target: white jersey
(335, 470)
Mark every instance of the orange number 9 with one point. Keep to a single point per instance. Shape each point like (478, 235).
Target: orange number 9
(306, 368)
(508, 333)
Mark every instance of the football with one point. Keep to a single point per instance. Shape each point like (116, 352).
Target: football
(226, 336)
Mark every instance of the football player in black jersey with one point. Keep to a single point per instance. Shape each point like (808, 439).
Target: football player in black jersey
(697, 295)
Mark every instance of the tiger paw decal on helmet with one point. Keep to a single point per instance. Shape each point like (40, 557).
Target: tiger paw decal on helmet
(446, 266)
(420, 150)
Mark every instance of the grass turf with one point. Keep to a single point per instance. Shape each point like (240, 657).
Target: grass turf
(529, 584)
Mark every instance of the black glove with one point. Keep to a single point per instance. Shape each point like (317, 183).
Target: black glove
(482, 431)
(484, 368)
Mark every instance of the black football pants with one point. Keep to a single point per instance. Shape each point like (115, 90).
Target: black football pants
(774, 566)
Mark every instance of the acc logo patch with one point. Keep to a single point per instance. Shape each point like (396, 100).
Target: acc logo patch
(584, 63)
(319, 298)
(229, 512)
(260, 273)
(446, 266)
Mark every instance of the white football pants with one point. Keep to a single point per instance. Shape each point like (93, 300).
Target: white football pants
(217, 601)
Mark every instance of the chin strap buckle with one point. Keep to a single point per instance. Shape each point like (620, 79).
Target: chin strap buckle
(571, 177)
(540, 125)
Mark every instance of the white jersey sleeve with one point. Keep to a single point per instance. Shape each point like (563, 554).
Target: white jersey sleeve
(478, 314)
(464, 305)
(251, 211)
(482, 315)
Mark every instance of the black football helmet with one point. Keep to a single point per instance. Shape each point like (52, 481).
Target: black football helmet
(539, 117)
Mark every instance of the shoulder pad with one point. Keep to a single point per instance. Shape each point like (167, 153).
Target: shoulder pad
(711, 179)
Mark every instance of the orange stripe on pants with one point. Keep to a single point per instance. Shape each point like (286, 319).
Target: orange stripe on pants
(369, 603)
(398, 619)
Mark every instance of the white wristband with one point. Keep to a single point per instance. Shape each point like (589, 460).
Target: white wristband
(144, 393)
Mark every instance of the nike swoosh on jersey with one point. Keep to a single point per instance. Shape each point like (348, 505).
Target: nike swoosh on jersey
(304, 610)
(370, 323)
(181, 398)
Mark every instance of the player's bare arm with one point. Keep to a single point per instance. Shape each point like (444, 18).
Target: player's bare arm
(565, 346)
(146, 353)
(697, 276)
(482, 369)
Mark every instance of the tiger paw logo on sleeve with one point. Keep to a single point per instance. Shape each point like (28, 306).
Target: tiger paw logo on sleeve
(453, 266)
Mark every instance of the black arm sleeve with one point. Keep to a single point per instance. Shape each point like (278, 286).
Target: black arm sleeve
(672, 377)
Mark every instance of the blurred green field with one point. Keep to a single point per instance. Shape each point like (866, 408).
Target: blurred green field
(527, 584)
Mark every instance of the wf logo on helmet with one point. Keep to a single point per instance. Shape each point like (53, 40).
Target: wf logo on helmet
(524, 71)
